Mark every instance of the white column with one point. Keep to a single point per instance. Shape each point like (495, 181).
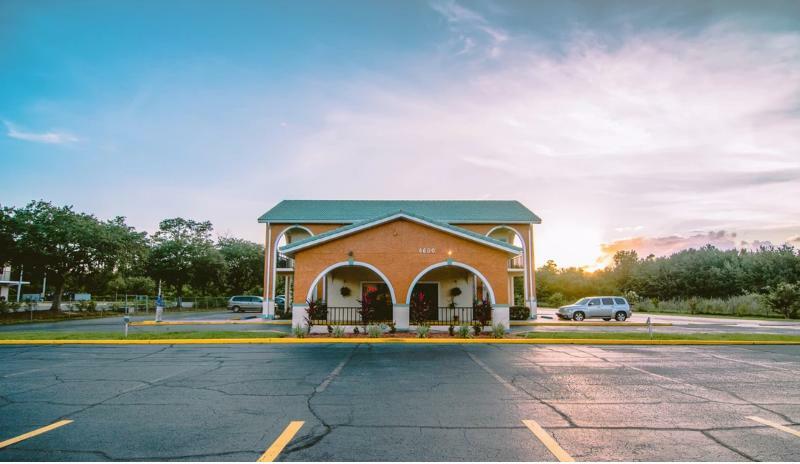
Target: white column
(268, 307)
(299, 313)
(500, 314)
(530, 280)
(400, 314)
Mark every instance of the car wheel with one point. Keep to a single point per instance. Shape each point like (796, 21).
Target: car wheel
(578, 316)
(236, 309)
(620, 316)
(606, 319)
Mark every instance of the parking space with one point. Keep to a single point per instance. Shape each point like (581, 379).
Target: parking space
(400, 403)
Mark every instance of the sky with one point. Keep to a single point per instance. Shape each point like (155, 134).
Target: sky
(654, 126)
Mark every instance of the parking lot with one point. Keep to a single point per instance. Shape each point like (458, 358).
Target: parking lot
(400, 403)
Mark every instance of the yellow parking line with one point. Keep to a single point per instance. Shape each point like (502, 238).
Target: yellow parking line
(33, 433)
(548, 441)
(278, 445)
(775, 425)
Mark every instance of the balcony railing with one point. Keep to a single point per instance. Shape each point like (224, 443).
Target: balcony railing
(517, 262)
(284, 262)
(351, 315)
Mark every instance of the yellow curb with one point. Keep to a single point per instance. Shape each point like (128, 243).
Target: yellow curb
(591, 324)
(407, 341)
(230, 322)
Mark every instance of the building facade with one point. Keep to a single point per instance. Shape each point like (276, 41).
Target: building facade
(409, 261)
(7, 282)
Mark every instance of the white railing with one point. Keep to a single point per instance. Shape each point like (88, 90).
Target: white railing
(517, 262)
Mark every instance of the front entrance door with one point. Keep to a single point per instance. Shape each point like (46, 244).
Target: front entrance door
(430, 292)
(377, 293)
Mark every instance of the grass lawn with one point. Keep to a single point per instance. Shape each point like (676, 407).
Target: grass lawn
(50, 316)
(663, 336)
(775, 318)
(135, 336)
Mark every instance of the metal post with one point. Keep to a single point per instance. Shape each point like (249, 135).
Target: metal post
(44, 287)
(126, 319)
(19, 284)
(649, 327)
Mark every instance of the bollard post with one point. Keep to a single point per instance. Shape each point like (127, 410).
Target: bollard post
(126, 319)
(649, 328)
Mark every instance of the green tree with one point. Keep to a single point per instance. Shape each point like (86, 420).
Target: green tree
(64, 244)
(244, 265)
(784, 299)
(183, 254)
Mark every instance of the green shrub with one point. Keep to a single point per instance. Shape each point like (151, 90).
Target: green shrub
(451, 330)
(554, 301)
(423, 331)
(374, 331)
(784, 299)
(392, 327)
(477, 328)
(498, 330)
(520, 313)
(742, 305)
(356, 331)
(337, 332)
(464, 331)
(299, 331)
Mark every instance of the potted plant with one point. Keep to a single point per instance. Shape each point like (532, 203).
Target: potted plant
(454, 292)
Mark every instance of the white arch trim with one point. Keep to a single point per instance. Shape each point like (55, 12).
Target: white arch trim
(274, 254)
(526, 289)
(516, 232)
(451, 263)
(354, 263)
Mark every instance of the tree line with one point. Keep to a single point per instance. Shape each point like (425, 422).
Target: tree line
(81, 253)
(708, 272)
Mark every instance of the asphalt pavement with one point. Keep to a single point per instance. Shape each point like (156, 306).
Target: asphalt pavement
(401, 403)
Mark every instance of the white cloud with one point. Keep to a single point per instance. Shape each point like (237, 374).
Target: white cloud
(51, 137)
(677, 132)
(472, 30)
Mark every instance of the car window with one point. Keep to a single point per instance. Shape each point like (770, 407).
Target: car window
(582, 301)
(608, 301)
(237, 298)
(594, 302)
(258, 299)
(619, 301)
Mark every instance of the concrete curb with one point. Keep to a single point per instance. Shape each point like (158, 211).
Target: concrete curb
(590, 324)
(395, 341)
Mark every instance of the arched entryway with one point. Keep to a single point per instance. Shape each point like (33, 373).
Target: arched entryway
(519, 284)
(352, 293)
(448, 293)
(282, 293)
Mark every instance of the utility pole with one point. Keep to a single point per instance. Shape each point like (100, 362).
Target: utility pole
(44, 287)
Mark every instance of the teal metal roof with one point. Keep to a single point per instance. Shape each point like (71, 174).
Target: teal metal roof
(457, 230)
(351, 211)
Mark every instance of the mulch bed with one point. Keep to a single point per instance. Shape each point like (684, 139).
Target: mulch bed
(396, 335)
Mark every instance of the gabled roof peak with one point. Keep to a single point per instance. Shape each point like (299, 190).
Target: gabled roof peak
(398, 214)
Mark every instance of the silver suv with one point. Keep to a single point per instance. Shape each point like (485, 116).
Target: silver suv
(601, 307)
(243, 303)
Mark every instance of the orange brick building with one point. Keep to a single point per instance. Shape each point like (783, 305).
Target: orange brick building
(411, 262)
